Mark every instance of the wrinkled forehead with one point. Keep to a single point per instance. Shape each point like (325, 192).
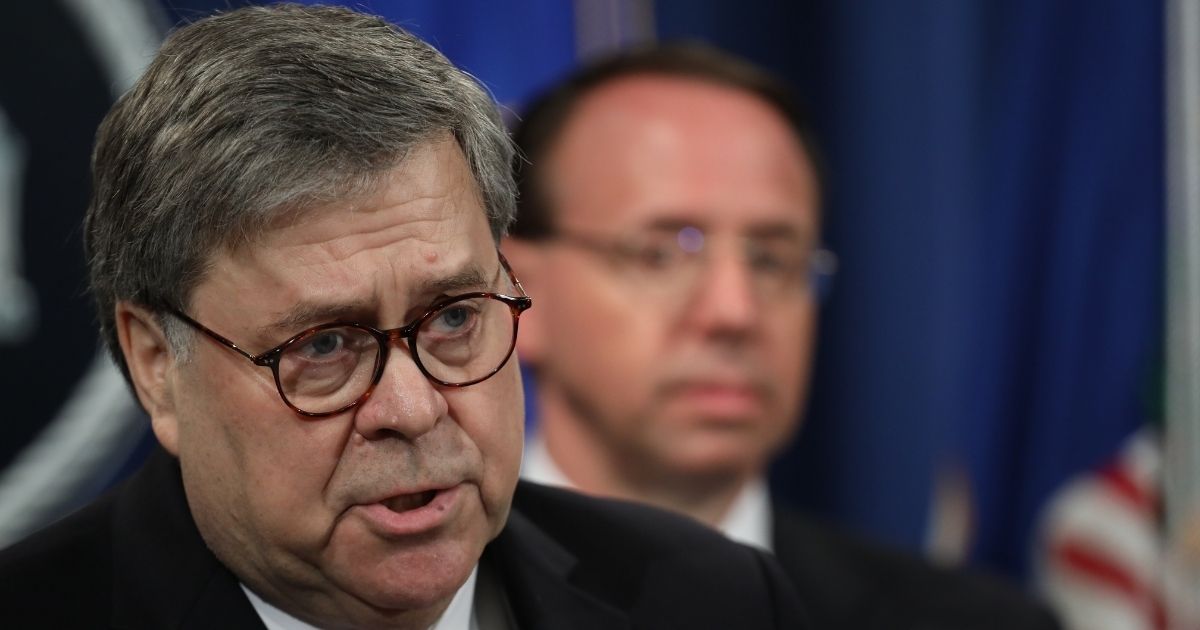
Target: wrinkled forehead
(418, 233)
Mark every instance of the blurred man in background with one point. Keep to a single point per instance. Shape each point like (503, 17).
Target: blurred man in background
(670, 227)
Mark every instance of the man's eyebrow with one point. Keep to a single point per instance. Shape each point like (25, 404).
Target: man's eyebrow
(470, 278)
(781, 230)
(305, 314)
(671, 224)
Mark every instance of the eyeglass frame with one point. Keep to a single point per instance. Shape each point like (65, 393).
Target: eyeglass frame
(822, 263)
(385, 338)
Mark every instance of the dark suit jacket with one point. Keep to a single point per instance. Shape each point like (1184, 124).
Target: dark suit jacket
(135, 559)
(849, 583)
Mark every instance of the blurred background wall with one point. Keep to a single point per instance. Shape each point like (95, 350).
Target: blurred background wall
(997, 201)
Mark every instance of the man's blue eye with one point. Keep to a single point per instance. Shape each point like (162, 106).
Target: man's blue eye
(325, 343)
(454, 317)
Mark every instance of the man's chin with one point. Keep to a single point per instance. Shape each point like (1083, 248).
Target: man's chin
(716, 443)
(401, 596)
(414, 594)
(713, 460)
(420, 575)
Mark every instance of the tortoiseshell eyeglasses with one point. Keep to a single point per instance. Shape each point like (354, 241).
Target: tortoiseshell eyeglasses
(459, 341)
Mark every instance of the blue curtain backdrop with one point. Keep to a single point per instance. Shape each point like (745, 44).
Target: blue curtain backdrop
(514, 48)
(996, 200)
(1072, 203)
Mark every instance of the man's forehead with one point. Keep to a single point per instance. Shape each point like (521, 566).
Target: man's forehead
(625, 104)
(421, 233)
(665, 157)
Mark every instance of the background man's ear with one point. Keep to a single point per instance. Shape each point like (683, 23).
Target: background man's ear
(526, 260)
(152, 369)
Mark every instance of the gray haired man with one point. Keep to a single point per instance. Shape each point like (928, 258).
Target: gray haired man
(292, 244)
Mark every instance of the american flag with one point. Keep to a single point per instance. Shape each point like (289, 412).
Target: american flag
(1103, 558)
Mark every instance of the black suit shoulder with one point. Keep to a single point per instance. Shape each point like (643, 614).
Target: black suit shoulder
(135, 560)
(61, 575)
(132, 559)
(665, 570)
(848, 582)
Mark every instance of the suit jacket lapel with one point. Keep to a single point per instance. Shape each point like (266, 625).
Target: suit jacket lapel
(540, 578)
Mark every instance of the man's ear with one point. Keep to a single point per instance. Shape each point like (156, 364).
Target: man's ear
(152, 369)
(526, 260)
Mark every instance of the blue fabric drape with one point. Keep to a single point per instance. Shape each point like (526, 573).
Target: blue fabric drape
(514, 48)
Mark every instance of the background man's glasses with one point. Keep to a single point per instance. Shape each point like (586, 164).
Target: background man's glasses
(328, 369)
(671, 260)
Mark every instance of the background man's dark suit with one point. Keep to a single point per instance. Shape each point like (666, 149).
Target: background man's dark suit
(850, 583)
(136, 560)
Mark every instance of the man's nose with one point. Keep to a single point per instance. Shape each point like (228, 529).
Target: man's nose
(404, 403)
(725, 300)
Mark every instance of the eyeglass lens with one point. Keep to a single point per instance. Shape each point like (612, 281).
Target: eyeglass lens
(674, 260)
(462, 342)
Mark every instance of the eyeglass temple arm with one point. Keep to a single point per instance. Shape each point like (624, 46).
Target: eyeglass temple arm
(215, 337)
(511, 275)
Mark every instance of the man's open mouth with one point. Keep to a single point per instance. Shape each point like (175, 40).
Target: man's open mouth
(406, 502)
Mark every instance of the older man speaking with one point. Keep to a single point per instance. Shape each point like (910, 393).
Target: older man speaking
(292, 243)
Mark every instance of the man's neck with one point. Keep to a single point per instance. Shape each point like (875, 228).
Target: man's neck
(742, 512)
(705, 497)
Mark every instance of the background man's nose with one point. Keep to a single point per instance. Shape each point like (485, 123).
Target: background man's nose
(725, 300)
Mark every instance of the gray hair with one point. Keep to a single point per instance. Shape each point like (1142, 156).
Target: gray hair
(252, 115)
